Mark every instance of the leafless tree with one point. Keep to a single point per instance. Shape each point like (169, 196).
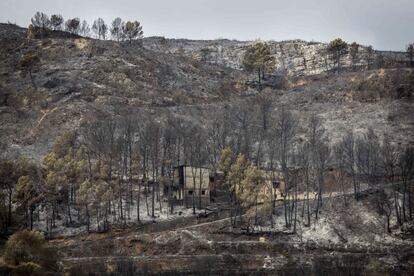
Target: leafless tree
(347, 148)
(168, 163)
(389, 159)
(120, 164)
(42, 21)
(406, 169)
(304, 156)
(116, 29)
(100, 28)
(263, 106)
(339, 172)
(242, 124)
(128, 130)
(320, 153)
(84, 29)
(197, 160)
(144, 152)
(154, 150)
(384, 207)
(217, 132)
(368, 157)
(283, 133)
(323, 154)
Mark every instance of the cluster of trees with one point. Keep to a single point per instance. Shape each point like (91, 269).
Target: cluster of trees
(113, 167)
(118, 29)
(29, 254)
(365, 159)
(15, 185)
(338, 48)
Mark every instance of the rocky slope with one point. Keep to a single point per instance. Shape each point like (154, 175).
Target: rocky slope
(294, 57)
(81, 79)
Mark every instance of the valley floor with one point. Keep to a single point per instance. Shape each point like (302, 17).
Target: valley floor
(336, 243)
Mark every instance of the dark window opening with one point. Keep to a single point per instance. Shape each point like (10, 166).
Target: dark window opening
(203, 192)
(190, 192)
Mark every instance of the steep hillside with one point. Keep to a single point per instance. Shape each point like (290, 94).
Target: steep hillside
(381, 99)
(81, 79)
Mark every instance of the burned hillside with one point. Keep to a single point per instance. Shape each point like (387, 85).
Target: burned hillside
(173, 156)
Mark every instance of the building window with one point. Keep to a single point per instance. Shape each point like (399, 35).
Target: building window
(190, 192)
(203, 192)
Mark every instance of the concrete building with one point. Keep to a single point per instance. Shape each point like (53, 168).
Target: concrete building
(192, 183)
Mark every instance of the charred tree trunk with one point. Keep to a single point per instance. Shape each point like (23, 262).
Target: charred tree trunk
(286, 211)
(9, 216)
(194, 189)
(31, 218)
(139, 200)
(153, 194)
(88, 218)
(388, 223)
(397, 206)
(120, 201)
(294, 213)
(410, 211)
